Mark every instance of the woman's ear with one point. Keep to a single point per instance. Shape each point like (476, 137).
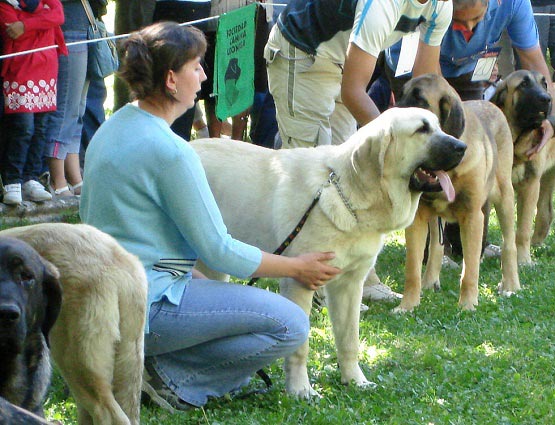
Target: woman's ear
(171, 83)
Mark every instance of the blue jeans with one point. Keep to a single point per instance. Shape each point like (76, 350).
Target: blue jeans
(219, 336)
(25, 137)
(66, 123)
(264, 124)
(94, 113)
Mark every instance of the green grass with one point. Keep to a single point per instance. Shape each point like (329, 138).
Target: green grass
(438, 365)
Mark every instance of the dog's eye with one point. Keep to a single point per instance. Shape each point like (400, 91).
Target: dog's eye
(425, 128)
(27, 278)
(525, 82)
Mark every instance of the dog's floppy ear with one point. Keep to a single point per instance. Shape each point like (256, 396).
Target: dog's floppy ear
(52, 290)
(500, 95)
(451, 116)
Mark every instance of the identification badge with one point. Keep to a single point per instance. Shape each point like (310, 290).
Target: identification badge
(485, 65)
(407, 56)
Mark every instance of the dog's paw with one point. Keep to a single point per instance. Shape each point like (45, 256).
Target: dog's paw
(435, 285)
(468, 305)
(507, 290)
(353, 375)
(368, 385)
(405, 307)
(307, 393)
(527, 262)
(504, 291)
(400, 310)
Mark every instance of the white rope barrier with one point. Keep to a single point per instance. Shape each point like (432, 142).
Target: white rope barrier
(116, 37)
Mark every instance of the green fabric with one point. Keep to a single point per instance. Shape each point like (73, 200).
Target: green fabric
(234, 85)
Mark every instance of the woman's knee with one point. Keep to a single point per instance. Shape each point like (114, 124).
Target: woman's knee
(297, 324)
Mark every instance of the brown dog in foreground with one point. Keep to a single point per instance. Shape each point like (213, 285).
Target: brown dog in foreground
(97, 341)
(525, 101)
(483, 175)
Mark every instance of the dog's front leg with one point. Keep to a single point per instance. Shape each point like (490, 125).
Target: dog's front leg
(472, 224)
(415, 236)
(544, 215)
(296, 373)
(527, 198)
(344, 298)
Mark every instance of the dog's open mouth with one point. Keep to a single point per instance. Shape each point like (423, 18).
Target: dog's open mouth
(432, 181)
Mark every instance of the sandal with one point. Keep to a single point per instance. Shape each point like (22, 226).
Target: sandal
(61, 192)
(58, 193)
(73, 188)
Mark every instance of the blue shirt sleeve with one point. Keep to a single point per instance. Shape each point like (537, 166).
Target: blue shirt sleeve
(522, 28)
(187, 199)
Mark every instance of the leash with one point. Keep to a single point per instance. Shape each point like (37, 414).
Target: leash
(441, 232)
(332, 179)
(279, 250)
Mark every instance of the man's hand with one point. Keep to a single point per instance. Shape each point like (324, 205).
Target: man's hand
(15, 29)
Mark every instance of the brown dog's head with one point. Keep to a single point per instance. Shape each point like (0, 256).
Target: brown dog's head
(524, 99)
(434, 93)
(30, 295)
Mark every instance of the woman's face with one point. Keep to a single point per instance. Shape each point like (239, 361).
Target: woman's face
(187, 82)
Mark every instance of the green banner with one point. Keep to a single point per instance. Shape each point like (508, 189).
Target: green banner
(234, 69)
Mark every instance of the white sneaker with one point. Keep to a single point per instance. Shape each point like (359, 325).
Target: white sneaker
(379, 292)
(320, 301)
(492, 251)
(12, 194)
(34, 191)
(449, 263)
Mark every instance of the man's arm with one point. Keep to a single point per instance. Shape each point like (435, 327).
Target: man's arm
(427, 60)
(357, 72)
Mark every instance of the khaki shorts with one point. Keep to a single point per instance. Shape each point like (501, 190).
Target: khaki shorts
(307, 94)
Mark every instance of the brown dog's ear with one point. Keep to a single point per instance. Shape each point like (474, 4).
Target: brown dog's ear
(451, 116)
(498, 99)
(52, 290)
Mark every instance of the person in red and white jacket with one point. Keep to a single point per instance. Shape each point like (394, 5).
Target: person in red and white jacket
(29, 90)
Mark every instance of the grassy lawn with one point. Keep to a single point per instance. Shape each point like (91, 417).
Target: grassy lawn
(437, 365)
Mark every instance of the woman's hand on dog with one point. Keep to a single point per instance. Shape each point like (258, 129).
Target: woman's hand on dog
(309, 269)
(313, 271)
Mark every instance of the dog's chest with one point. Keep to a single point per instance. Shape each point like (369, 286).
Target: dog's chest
(363, 249)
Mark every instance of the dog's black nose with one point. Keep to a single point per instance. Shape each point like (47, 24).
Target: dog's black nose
(545, 99)
(9, 313)
(459, 147)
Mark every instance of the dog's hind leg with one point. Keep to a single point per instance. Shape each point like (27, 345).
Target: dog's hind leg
(83, 347)
(92, 392)
(129, 356)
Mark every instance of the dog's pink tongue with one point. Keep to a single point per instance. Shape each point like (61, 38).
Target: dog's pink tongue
(446, 185)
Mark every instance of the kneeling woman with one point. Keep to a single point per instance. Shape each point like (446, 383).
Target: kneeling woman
(145, 186)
